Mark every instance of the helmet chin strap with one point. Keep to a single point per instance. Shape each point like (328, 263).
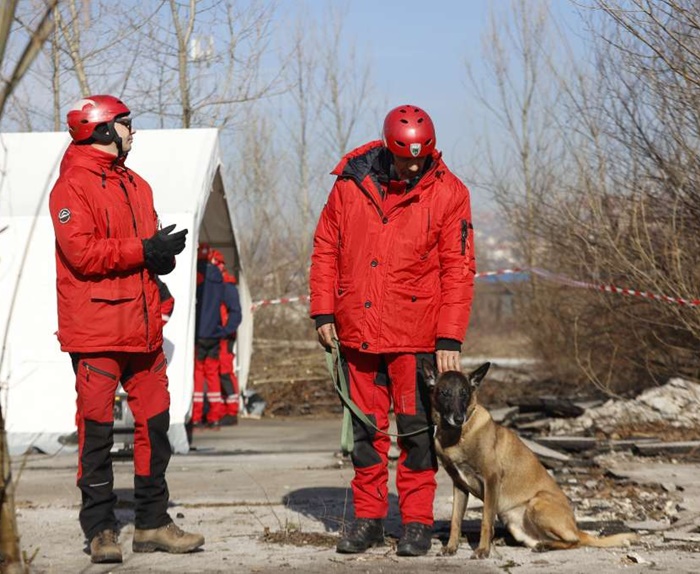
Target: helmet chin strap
(116, 138)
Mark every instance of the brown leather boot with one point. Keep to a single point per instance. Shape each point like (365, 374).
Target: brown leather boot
(104, 548)
(169, 538)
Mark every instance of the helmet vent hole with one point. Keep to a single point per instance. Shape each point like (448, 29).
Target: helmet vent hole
(400, 143)
(403, 121)
(420, 120)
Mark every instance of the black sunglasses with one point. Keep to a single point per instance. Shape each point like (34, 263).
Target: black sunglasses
(126, 122)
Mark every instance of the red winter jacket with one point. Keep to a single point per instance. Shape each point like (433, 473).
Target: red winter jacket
(395, 281)
(107, 299)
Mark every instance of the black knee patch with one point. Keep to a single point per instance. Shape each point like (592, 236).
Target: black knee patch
(160, 445)
(226, 384)
(420, 448)
(364, 454)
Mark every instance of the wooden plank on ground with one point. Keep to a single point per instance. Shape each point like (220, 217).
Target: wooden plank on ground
(660, 448)
(545, 453)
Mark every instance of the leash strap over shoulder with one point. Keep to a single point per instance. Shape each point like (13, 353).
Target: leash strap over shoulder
(335, 367)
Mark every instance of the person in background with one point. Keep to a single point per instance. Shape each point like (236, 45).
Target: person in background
(209, 332)
(229, 381)
(109, 250)
(392, 275)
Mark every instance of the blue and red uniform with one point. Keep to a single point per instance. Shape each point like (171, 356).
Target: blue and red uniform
(212, 293)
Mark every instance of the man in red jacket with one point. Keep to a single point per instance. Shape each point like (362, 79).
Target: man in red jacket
(109, 250)
(392, 275)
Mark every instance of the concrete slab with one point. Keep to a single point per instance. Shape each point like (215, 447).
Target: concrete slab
(285, 476)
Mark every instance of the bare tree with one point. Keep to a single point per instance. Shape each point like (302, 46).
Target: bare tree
(204, 60)
(616, 200)
(10, 555)
(36, 36)
(523, 159)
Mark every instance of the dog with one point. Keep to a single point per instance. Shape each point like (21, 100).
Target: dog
(490, 462)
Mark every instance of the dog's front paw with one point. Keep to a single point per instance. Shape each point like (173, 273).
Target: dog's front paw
(449, 550)
(540, 547)
(481, 553)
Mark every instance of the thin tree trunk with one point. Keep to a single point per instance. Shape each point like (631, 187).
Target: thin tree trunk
(10, 555)
(31, 51)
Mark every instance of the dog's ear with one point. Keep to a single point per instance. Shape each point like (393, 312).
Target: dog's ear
(429, 373)
(477, 375)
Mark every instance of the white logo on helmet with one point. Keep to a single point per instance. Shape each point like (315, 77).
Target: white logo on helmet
(80, 105)
(64, 215)
(414, 148)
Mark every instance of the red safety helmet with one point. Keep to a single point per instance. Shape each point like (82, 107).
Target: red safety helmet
(91, 112)
(217, 257)
(409, 132)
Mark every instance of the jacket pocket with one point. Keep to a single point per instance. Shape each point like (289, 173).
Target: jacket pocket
(92, 369)
(410, 317)
(115, 289)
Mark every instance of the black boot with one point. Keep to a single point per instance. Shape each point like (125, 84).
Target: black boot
(364, 533)
(415, 540)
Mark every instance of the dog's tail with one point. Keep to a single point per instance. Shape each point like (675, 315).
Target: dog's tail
(607, 541)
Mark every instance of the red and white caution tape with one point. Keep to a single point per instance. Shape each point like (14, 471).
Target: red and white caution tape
(548, 275)
(282, 300)
(614, 289)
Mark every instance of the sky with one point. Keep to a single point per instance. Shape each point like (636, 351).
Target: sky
(419, 51)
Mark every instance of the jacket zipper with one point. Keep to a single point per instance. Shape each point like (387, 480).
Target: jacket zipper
(143, 290)
(427, 234)
(465, 232)
(89, 367)
(370, 196)
(108, 224)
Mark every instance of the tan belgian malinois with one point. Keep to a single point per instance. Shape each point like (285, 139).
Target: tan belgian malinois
(493, 464)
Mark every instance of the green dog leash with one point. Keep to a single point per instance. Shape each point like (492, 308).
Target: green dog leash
(340, 383)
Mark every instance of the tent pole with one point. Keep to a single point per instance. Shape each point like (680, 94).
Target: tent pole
(10, 556)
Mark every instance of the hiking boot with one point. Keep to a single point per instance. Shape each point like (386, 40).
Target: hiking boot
(416, 540)
(364, 533)
(229, 420)
(104, 548)
(169, 538)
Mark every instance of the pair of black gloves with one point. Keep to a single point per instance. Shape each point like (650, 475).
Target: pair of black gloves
(160, 250)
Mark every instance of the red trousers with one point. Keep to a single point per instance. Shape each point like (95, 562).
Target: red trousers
(229, 380)
(143, 377)
(207, 381)
(375, 382)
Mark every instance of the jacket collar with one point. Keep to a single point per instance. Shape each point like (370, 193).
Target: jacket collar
(91, 158)
(369, 159)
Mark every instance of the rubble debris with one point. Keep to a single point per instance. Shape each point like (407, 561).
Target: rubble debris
(545, 454)
(674, 404)
(635, 558)
(671, 535)
(550, 406)
(667, 448)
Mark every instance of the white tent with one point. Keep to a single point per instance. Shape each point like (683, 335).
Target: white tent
(36, 379)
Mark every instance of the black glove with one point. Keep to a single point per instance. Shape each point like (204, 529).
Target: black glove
(160, 250)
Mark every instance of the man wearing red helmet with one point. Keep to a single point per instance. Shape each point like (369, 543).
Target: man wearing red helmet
(211, 328)
(392, 275)
(227, 358)
(109, 250)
